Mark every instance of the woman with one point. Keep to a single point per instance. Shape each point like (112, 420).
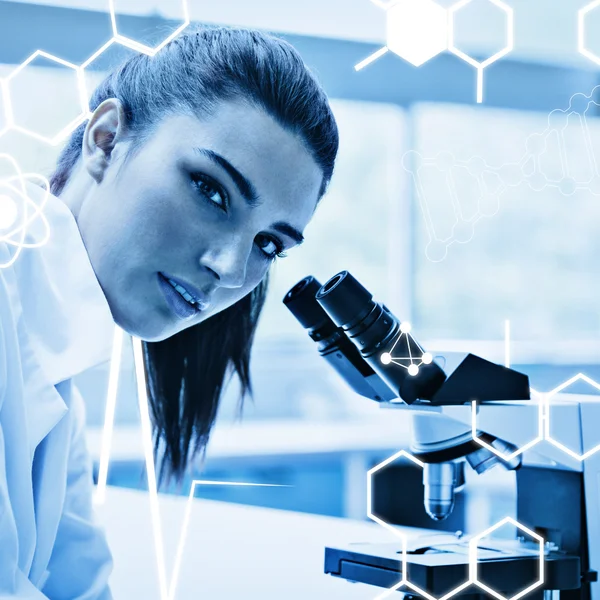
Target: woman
(198, 169)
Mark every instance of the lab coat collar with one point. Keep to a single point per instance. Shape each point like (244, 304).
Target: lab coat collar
(68, 318)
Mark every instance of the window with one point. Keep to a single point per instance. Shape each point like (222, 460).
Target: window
(535, 262)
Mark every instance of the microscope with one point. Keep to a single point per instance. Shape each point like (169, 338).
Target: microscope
(479, 417)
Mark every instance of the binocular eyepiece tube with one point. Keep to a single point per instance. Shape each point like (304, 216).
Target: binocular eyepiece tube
(342, 317)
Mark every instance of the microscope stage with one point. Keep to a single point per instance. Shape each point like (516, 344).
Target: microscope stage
(439, 568)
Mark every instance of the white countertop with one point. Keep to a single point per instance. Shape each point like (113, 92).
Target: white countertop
(231, 551)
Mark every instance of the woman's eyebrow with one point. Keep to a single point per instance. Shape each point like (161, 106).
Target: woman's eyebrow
(243, 184)
(290, 231)
(248, 191)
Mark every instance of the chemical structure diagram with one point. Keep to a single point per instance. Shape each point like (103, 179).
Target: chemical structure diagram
(411, 19)
(416, 356)
(418, 30)
(17, 209)
(537, 168)
(473, 545)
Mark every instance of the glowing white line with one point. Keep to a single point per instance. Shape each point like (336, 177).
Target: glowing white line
(96, 54)
(370, 473)
(146, 427)
(518, 451)
(372, 58)
(581, 31)
(113, 17)
(548, 437)
(578, 377)
(238, 483)
(80, 74)
(479, 85)
(186, 521)
(473, 561)
(150, 468)
(138, 46)
(480, 66)
(398, 533)
(109, 414)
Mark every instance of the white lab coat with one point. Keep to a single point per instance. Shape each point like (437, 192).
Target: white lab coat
(54, 323)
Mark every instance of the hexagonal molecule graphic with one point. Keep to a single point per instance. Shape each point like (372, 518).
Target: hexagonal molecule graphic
(43, 116)
(454, 11)
(376, 469)
(571, 423)
(109, 56)
(151, 50)
(405, 576)
(527, 426)
(582, 29)
(406, 352)
(20, 211)
(417, 30)
(535, 548)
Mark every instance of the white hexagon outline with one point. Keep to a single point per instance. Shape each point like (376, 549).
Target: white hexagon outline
(518, 451)
(138, 46)
(474, 562)
(403, 582)
(548, 437)
(581, 14)
(83, 103)
(84, 65)
(480, 66)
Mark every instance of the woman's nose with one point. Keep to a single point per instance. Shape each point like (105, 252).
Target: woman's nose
(228, 263)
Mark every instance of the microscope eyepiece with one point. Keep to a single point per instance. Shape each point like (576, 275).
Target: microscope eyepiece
(332, 343)
(383, 342)
(345, 299)
(301, 302)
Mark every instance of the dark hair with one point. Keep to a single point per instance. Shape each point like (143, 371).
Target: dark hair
(187, 372)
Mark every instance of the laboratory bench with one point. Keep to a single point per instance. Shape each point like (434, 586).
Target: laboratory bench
(230, 551)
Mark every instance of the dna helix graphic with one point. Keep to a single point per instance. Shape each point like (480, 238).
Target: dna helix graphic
(544, 163)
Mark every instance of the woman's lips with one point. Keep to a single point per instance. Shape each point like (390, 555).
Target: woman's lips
(202, 301)
(178, 305)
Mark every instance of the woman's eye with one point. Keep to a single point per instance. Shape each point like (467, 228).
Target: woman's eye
(210, 190)
(271, 248)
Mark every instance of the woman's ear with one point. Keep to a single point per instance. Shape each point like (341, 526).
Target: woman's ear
(104, 130)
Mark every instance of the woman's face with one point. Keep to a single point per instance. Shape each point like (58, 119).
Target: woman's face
(207, 204)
